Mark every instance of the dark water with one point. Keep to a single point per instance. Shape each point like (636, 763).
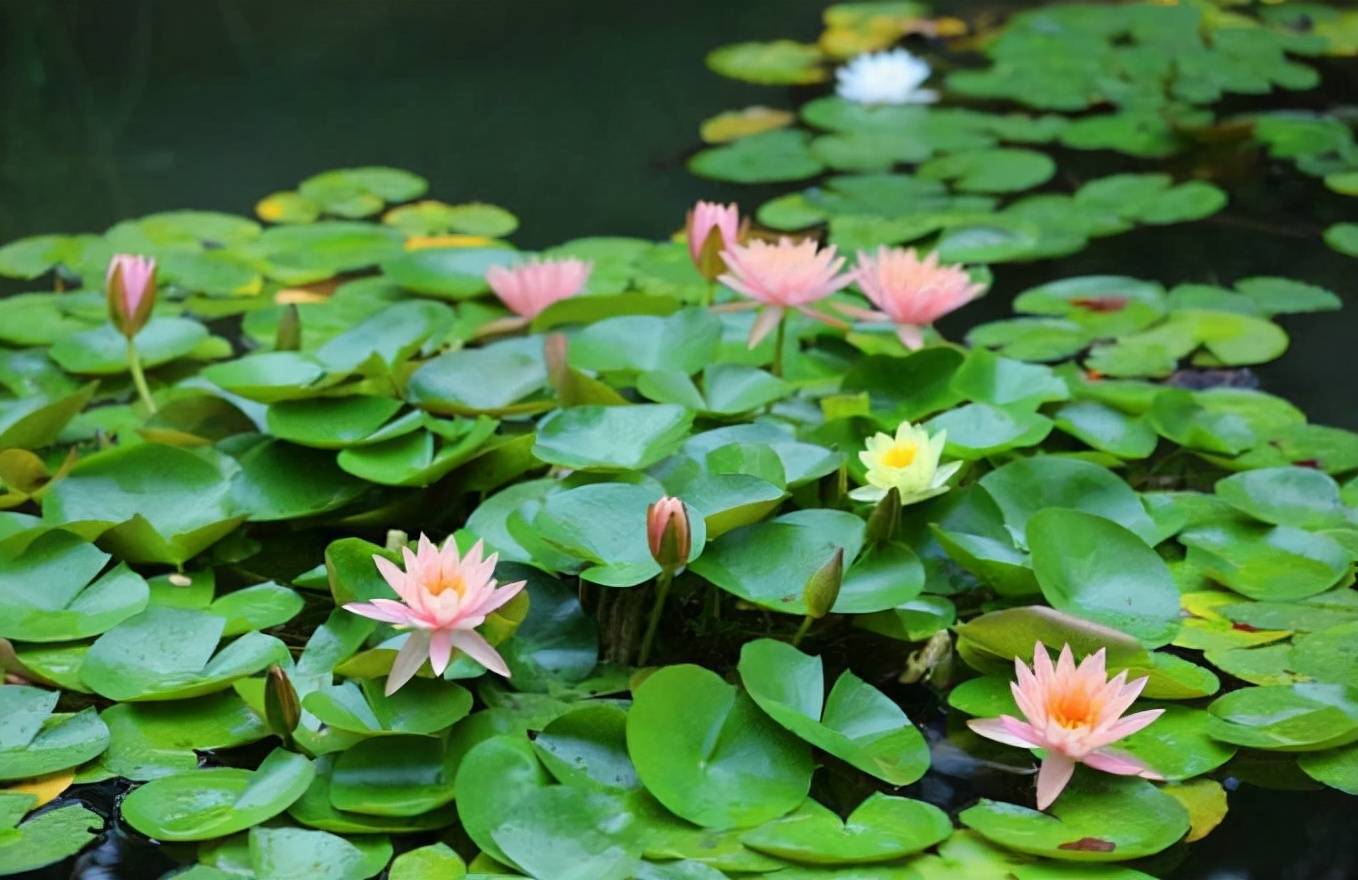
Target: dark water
(577, 116)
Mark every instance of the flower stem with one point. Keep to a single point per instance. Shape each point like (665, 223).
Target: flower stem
(778, 337)
(803, 630)
(138, 377)
(662, 592)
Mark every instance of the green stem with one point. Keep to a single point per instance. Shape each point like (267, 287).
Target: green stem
(778, 336)
(662, 592)
(803, 630)
(138, 377)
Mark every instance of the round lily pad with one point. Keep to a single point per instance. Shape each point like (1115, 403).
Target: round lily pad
(612, 437)
(54, 591)
(880, 829)
(707, 753)
(1287, 718)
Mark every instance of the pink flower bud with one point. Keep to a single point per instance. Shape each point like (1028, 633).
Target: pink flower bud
(667, 532)
(131, 288)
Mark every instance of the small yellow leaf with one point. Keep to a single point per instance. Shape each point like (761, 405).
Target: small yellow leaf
(735, 124)
(1203, 603)
(287, 207)
(1205, 801)
(45, 788)
(289, 295)
(452, 239)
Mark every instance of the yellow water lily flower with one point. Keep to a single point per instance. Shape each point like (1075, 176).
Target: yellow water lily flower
(907, 462)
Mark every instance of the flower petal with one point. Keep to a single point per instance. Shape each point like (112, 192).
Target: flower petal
(1117, 763)
(440, 650)
(996, 729)
(474, 646)
(408, 661)
(1052, 778)
(373, 612)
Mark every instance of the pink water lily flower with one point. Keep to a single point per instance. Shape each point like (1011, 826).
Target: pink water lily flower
(443, 598)
(1074, 713)
(787, 275)
(712, 228)
(533, 286)
(131, 288)
(909, 292)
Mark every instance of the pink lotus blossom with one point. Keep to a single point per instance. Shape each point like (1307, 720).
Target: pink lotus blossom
(533, 286)
(1073, 713)
(788, 275)
(131, 288)
(443, 599)
(711, 229)
(668, 533)
(910, 292)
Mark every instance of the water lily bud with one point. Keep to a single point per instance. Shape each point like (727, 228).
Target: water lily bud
(288, 337)
(712, 228)
(667, 533)
(282, 710)
(822, 588)
(886, 516)
(131, 289)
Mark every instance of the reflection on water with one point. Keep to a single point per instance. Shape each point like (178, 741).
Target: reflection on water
(577, 116)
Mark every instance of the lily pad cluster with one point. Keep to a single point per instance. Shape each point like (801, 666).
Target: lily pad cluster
(173, 580)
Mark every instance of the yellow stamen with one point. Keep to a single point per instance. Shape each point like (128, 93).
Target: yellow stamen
(900, 455)
(1072, 709)
(455, 583)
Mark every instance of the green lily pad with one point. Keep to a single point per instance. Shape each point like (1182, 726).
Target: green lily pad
(854, 722)
(103, 350)
(148, 502)
(685, 341)
(708, 754)
(303, 253)
(206, 804)
(315, 810)
(330, 422)
(980, 430)
(1099, 818)
(991, 171)
(612, 437)
(1343, 237)
(1094, 568)
(502, 770)
(1024, 487)
(880, 829)
(571, 834)
(1294, 496)
(421, 707)
(1287, 718)
(171, 654)
(397, 775)
(47, 838)
(1278, 563)
(281, 853)
(421, 457)
(54, 592)
(35, 742)
(149, 740)
(473, 380)
(768, 563)
(35, 421)
(1328, 655)
(771, 157)
(1337, 768)
(436, 861)
(455, 273)
(1106, 429)
(279, 481)
(776, 63)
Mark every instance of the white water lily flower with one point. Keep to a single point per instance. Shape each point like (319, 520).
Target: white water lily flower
(891, 77)
(907, 463)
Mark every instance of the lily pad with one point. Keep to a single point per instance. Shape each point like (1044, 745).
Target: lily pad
(1287, 718)
(854, 722)
(54, 591)
(880, 829)
(612, 437)
(35, 742)
(707, 753)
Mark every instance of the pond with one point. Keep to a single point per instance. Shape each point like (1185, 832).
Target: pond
(242, 496)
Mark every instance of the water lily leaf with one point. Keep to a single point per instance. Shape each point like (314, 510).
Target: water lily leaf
(473, 380)
(708, 754)
(455, 273)
(571, 834)
(280, 853)
(989, 378)
(1094, 568)
(1343, 237)
(171, 654)
(685, 341)
(422, 457)
(148, 502)
(612, 437)
(604, 524)
(53, 591)
(1337, 768)
(35, 421)
(854, 722)
(994, 170)
(735, 124)
(300, 254)
(421, 707)
(1099, 818)
(432, 217)
(768, 563)
(103, 350)
(315, 810)
(35, 742)
(1222, 420)
(880, 829)
(1178, 745)
(47, 838)
(1287, 718)
(1107, 429)
(907, 388)
(1024, 487)
(503, 770)
(436, 861)
(776, 63)
(1266, 563)
(587, 747)
(1012, 632)
(771, 157)
(279, 481)
(980, 430)
(1329, 655)
(271, 376)
(205, 804)
(150, 740)
(1291, 496)
(398, 775)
